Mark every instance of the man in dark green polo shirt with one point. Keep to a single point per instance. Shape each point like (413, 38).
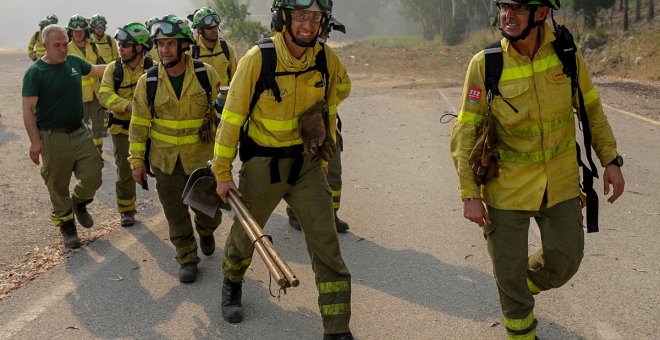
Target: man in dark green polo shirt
(52, 113)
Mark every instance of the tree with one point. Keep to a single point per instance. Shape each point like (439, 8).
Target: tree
(649, 18)
(590, 9)
(625, 15)
(234, 20)
(638, 10)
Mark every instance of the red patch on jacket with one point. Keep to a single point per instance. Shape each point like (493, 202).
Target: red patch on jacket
(474, 94)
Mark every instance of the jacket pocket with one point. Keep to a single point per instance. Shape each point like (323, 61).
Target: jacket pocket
(513, 95)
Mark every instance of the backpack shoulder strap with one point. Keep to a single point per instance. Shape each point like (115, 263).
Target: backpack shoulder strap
(108, 40)
(152, 87)
(118, 74)
(225, 50)
(267, 74)
(322, 66)
(195, 51)
(99, 58)
(148, 62)
(203, 78)
(494, 66)
(36, 36)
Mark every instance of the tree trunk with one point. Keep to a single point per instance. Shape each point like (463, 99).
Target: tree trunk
(651, 10)
(625, 15)
(638, 10)
(621, 5)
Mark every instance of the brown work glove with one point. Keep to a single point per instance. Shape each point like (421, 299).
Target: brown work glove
(328, 149)
(207, 130)
(312, 128)
(484, 158)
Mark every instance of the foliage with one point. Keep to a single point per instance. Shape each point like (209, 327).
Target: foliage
(234, 15)
(589, 9)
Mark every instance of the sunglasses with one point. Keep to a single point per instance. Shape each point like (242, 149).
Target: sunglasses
(325, 5)
(302, 16)
(210, 20)
(517, 8)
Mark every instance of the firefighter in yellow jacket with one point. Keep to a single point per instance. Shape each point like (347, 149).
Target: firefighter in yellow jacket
(538, 176)
(116, 93)
(106, 45)
(210, 48)
(153, 53)
(83, 47)
(278, 160)
(179, 121)
(36, 48)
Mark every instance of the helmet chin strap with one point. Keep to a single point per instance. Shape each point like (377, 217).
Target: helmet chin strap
(135, 55)
(525, 33)
(297, 41)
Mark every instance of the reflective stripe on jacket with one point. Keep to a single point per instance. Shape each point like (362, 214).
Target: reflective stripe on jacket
(274, 124)
(90, 85)
(537, 144)
(174, 132)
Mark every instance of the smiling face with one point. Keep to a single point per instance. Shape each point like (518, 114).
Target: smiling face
(514, 18)
(305, 24)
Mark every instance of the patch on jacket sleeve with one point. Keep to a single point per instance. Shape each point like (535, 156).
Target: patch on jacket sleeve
(474, 94)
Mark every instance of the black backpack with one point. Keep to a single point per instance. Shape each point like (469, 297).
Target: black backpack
(152, 84)
(225, 50)
(565, 48)
(118, 74)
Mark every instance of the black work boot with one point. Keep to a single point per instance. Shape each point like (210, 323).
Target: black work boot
(293, 220)
(340, 336)
(232, 309)
(82, 215)
(127, 219)
(70, 234)
(342, 226)
(207, 244)
(188, 272)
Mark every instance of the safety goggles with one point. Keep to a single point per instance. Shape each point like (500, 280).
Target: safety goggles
(303, 15)
(325, 5)
(210, 20)
(78, 24)
(123, 37)
(516, 8)
(166, 28)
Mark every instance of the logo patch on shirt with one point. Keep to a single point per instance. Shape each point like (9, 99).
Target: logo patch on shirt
(474, 94)
(74, 72)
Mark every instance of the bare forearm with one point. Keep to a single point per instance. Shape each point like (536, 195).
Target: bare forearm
(30, 122)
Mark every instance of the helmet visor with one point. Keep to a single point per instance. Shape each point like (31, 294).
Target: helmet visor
(210, 20)
(78, 24)
(325, 5)
(165, 28)
(123, 36)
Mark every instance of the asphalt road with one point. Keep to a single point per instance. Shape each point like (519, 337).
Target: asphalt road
(420, 271)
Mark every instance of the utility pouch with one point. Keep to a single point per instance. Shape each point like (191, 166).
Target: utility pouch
(484, 158)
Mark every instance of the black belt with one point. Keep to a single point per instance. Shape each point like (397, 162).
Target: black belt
(66, 129)
(251, 149)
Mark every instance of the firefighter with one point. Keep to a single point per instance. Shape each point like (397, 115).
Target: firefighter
(210, 48)
(284, 153)
(152, 53)
(82, 46)
(36, 45)
(538, 177)
(179, 122)
(52, 113)
(117, 95)
(106, 44)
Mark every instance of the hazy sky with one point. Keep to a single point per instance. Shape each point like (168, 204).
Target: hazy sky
(19, 19)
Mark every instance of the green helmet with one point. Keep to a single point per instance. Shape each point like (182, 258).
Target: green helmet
(135, 34)
(205, 17)
(52, 18)
(554, 4)
(78, 23)
(150, 22)
(43, 23)
(171, 26)
(324, 5)
(98, 21)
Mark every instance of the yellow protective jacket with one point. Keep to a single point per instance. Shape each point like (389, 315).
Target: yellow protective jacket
(36, 47)
(90, 85)
(154, 55)
(537, 144)
(118, 101)
(174, 132)
(222, 64)
(274, 124)
(107, 46)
